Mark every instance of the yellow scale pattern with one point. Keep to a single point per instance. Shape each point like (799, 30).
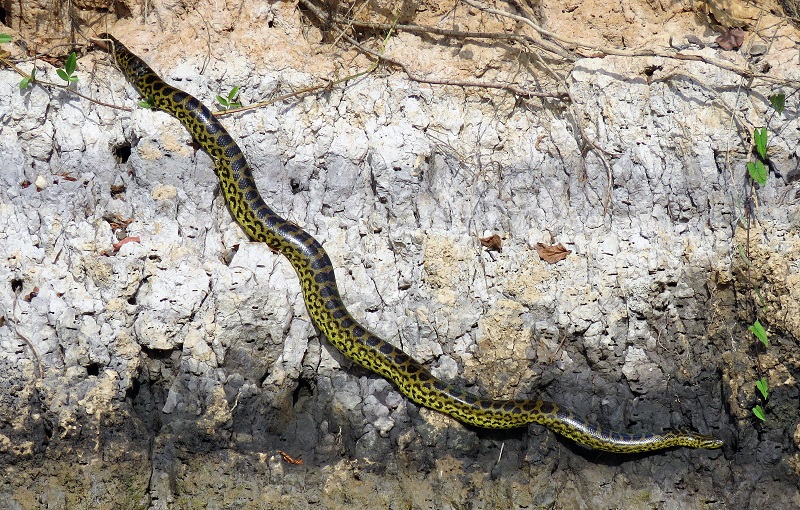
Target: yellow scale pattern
(326, 308)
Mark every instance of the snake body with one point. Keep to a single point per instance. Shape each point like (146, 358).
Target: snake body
(325, 305)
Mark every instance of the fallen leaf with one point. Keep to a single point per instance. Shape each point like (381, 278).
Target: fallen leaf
(67, 176)
(732, 39)
(117, 222)
(134, 239)
(33, 294)
(286, 457)
(552, 253)
(492, 242)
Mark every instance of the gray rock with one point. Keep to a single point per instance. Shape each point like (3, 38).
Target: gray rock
(190, 343)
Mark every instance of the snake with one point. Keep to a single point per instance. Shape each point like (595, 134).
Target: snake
(326, 307)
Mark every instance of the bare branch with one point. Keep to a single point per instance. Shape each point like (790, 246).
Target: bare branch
(509, 87)
(457, 83)
(419, 29)
(603, 51)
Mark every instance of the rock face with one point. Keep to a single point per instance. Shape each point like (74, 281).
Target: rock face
(151, 357)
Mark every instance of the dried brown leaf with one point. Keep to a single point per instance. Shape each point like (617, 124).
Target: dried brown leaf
(552, 253)
(291, 460)
(67, 176)
(31, 295)
(732, 39)
(492, 242)
(129, 239)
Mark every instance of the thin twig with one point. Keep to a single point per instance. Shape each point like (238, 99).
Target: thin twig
(37, 366)
(324, 86)
(419, 29)
(457, 83)
(36, 81)
(381, 56)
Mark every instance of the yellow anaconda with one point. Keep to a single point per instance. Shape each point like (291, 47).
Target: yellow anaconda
(325, 305)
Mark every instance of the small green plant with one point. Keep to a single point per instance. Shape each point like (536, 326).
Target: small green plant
(778, 101)
(757, 170)
(147, 103)
(758, 330)
(763, 387)
(230, 101)
(28, 81)
(760, 138)
(67, 73)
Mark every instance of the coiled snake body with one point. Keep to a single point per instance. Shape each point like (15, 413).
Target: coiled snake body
(325, 305)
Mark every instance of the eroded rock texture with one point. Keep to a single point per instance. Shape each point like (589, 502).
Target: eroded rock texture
(150, 357)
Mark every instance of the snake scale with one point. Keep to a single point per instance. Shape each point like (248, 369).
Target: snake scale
(325, 305)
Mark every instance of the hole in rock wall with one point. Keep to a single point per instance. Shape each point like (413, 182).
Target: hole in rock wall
(304, 390)
(93, 369)
(122, 152)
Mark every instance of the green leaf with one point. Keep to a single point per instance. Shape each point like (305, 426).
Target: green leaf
(760, 297)
(743, 254)
(67, 73)
(760, 139)
(778, 101)
(146, 103)
(763, 387)
(230, 101)
(5, 38)
(28, 80)
(757, 171)
(66, 77)
(71, 63)
(759, 412)
(758, 330)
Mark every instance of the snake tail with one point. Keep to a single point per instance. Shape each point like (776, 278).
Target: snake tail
(325, 305)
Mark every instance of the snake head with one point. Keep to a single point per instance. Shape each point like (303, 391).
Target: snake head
(692, 439)
(707, 442)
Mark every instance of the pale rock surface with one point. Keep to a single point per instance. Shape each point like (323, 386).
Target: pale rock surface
(182, 361)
